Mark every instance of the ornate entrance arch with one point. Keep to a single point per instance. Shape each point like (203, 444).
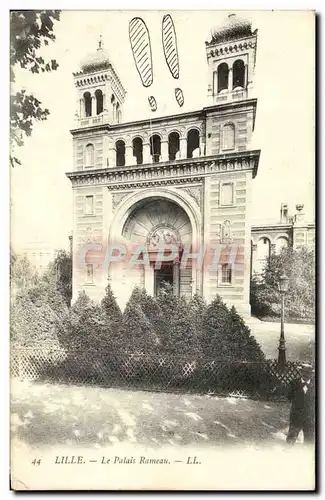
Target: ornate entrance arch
(152, 215)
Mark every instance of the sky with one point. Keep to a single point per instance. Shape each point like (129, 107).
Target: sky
(41, 194)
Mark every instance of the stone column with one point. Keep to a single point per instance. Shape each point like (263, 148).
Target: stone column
(253, 258)
(129, 160)
(112, 157)
(149, 280)
(246, 76)
(81, 108)
(201, 144)
(210, 93)
(164, 150)
(146, 153)
(105, 151)
(176, 278)
(183, 147)
(93, 106)
(214, 89)
(273, 248)
(230, 80)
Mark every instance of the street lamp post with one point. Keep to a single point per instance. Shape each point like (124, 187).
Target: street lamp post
(283, 288)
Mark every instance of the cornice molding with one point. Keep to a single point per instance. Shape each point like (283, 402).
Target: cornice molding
(167, 173)
(83, 78)
(230, 46)
(271, 227)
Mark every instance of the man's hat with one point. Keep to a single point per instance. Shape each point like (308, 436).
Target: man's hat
(306, 367)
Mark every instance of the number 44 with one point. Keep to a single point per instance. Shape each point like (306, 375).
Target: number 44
(36, 461)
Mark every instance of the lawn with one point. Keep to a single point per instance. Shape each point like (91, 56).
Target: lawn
(238, 444)
(60, 414)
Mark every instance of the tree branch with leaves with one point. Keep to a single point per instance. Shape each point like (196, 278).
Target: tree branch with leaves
(30, 30)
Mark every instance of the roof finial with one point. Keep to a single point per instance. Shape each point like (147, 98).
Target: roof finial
(100, 42)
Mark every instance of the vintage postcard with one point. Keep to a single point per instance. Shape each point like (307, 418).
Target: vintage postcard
(162, 262)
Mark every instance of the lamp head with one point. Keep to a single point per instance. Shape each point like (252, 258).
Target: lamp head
(283, 283)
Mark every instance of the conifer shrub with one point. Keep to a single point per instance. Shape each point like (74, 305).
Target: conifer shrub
(34, 314)
(84, 334)
(113, 319)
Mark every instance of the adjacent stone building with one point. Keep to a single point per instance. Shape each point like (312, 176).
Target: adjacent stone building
(184, 179)
(287, 231)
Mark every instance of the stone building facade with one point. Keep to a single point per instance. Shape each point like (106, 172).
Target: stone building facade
(184, 179)
(288, 231)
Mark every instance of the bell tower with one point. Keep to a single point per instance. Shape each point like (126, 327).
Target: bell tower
(231, 55)
(100, 94)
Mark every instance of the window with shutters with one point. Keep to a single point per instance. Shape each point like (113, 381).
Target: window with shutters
(227, 193)
(89, 205)
(228, 136)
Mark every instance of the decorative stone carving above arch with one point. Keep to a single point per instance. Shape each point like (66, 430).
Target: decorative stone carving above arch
(163, 235)
(128, 140)
(182, 132)
(117, 198)
(164, 134)
(195, 192)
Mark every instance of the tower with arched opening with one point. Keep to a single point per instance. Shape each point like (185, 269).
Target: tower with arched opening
(231, 54)
(100, 94)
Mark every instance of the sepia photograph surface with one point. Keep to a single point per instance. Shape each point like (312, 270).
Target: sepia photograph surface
(162, 252)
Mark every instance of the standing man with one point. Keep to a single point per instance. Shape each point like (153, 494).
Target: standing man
(302, 397)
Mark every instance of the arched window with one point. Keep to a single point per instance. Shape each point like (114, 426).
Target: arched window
(193, 143)
(155, 148)
(120, 153)
(228, 136)
(99, 102)
(118, 112)
(87, 99)
(238, 74)
(263, 248)
(280, 243)
(138, 150)
(89, 155)
(173, 145)
(223, 74)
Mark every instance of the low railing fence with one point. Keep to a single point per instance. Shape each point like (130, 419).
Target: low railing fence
(262, 380)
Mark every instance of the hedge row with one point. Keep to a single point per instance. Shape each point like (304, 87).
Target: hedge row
(165, 324)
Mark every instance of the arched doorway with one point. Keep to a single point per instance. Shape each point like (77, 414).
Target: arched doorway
(163, 229)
